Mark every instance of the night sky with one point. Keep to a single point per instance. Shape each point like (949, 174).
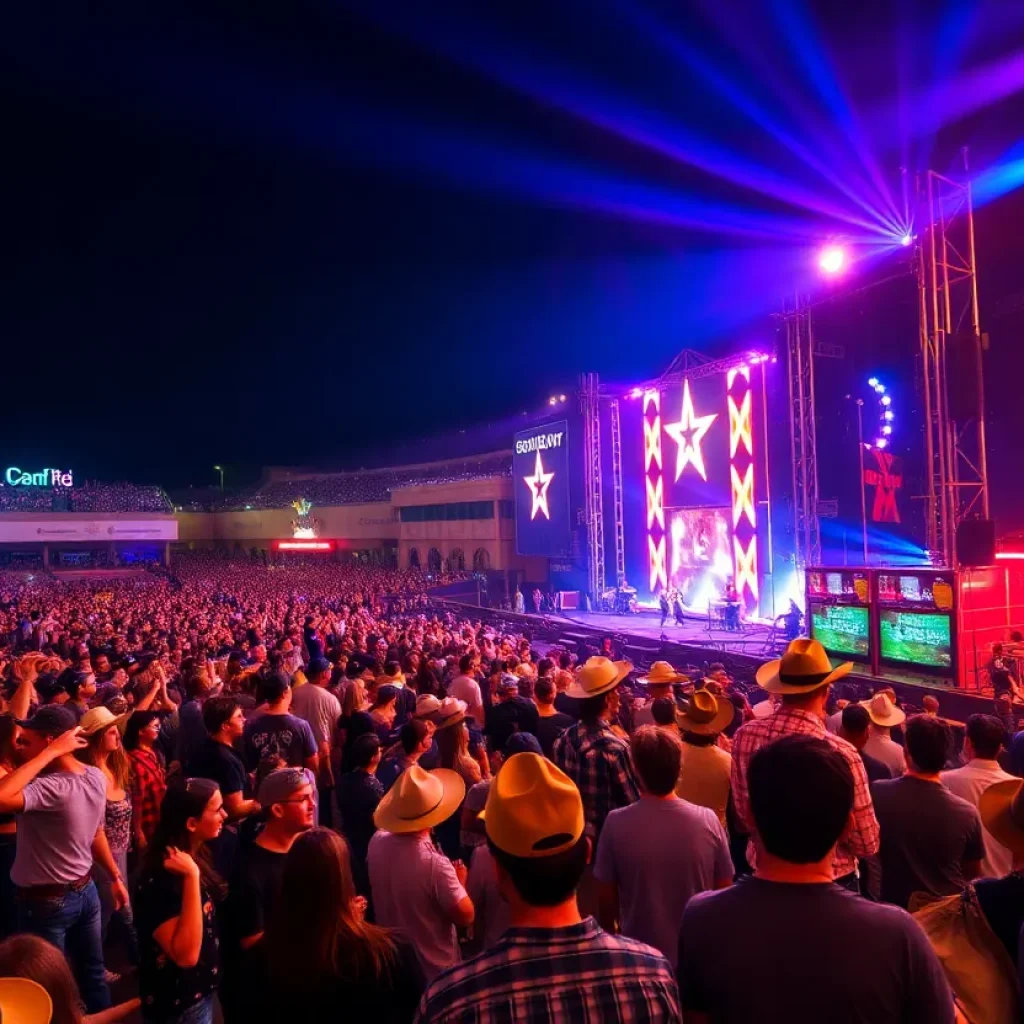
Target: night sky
(300, 233)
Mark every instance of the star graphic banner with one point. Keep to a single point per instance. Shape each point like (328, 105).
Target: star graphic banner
(688, 433)
(539, 484)
(540, 474)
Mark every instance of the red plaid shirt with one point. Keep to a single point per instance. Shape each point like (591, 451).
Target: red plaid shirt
(148, 785)
(861, 837)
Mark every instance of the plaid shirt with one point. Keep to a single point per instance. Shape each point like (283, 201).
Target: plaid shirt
(861, 838)
(579, 973)
(602, 768)
(147, 787)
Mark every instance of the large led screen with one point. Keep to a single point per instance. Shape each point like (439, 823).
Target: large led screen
(540, 476)
(841, 629)
(915, 638)
(699, 557)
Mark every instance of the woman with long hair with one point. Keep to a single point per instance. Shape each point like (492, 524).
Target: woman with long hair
(148, 779)
(104, 751)
(355, 720)
(28, 956)
(8, 833)
(175, 912)
(319, 950)
(452, 735)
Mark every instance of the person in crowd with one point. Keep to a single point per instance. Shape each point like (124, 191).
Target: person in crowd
(930, 705)
(320, 710)
(800, 681)
(415, 739)
(275, 729)
(829, 954)
(175, 907)
(191, 733)
(551, 722)
(81, 688)
(983, 739)
(105, 751)
(383, 710)
(552, 964)
(705, 769)
(319, 951)
(217, 759)
(355, 720)
(60, 805)
(465, 687)
(147, 779)
(359, 793)
(1000, 676)
(511, 713)
(645, 886)
(1002, 708)
(34, 961)
(884, 717)
(8, 833)
(415, 888)
(287, 798)
(855, 728)
(932, 841)
(658, 683)
(663, 711)
(453, 739)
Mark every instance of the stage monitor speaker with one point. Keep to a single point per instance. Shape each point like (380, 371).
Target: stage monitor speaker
(976, 542)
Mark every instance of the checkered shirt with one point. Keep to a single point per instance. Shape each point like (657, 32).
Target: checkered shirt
(147, 786)
(602, 768)
(860, 838)
(579, 973)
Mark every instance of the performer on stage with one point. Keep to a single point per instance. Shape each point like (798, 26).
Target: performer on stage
(665, 609)
(791, 621)
(732, 606)
(677, 607)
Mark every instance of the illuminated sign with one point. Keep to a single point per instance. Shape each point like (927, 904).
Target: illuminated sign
(540, 469)
(539, 443)
(688, 434)
(304, 545)
(44, 478)
(539, 483)
(304, 525)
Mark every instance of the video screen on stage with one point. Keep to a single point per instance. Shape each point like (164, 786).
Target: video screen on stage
(916, 638)
(695, 443)
(842, 586)
(698, 554)
(841, 629)
(540, 477)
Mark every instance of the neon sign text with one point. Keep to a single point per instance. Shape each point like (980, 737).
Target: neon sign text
(44, 478)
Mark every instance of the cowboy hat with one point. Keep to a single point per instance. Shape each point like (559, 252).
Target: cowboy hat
(882, 711)
(704, 714)
(1002, 813)
(23, 1001)
(533, 808)
(426, 706)
(803, 668)
(450, 712)
(419, 800)
(99, 720)
(598, 675)
(662, 674)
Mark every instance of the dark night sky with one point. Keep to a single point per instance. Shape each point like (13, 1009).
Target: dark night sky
(251, 233)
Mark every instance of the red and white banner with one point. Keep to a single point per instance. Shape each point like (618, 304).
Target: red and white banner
(55, 529)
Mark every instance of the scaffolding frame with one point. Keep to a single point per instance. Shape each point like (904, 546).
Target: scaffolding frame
(955, 451)
(620, 530)
(590, 407)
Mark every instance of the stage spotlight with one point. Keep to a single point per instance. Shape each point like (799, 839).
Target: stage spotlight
(832, 260)
(552, 400)
(873, 382)
(906, 239)
(886, 400)
(887, 429)
(636, 393)
(881, 442)
(890, 415)
(561, 398)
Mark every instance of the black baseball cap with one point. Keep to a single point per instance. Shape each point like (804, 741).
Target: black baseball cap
(51, 719)
(318, 665)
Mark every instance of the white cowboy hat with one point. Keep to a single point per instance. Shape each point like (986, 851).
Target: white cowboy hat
(450, 712)
(598, 675)
(420, 799)
(100, 719)
(662, 674)
(882, 711)
(803, 668)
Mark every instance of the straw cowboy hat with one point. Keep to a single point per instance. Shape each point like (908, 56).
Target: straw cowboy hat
(662, 674)
(882, 711)
(450, 712)
(533, 808)
(420, 800)
(802, 669)
(23, 1001)
(1002, 813)
(99, 719)
(427, 706)
(598, 675)
(704, 714)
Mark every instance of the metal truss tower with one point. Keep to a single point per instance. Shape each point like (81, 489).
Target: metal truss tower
(620, 533)
(590, 404)
(951, 363)
(803, 434)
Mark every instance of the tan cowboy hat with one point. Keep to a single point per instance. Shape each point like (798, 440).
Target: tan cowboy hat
(803, 668)
(450, 712)
(533, 808)
(662, 674)
(420, 799)
(426, 706)
(23, 1001)
(1002, 812)
(99, 719)
(882, 711)
(705, 715)
(598, 675)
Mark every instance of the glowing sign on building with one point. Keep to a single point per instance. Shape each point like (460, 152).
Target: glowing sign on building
(16, 477)
(741, 475)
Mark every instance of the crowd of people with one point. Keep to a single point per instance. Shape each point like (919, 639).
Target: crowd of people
(301, 790)
(88, 497)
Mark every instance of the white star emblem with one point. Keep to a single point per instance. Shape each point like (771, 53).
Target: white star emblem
(688, 434)
(538, 484)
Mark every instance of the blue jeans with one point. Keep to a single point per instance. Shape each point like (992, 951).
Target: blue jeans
(116, 922)
(199, 1013)
(72, 923)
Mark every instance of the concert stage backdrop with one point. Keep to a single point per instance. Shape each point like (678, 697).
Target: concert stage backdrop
(541, 481)
(693, 468)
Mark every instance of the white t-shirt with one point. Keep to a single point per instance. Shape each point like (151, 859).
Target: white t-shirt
(468, 689)
(318, 707)
(884, 749)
